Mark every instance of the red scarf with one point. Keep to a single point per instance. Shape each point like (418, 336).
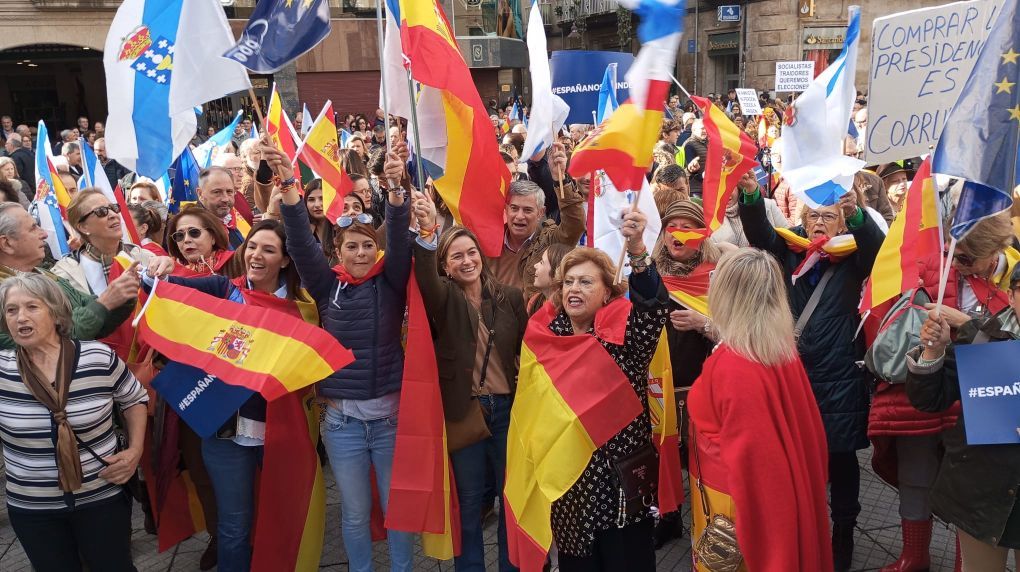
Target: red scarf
(213, 265)
(345, 277)
(265, 299)
(988, 294)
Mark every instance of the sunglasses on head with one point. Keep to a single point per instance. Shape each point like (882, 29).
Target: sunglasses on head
(180, 234)
(100, 212)
(346, 221)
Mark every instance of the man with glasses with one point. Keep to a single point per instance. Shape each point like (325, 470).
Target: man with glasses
(216, 194)
(23, 248)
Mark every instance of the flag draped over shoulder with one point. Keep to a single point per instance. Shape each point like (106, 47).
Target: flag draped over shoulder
(665, 431)
(548, 110)
(622, 146)
(278, 32)
(914, 235)
(815, 126)
(730, 154)
(262, 349)
(423, 497)
(835, 248)
(51, 198)
(981, 138)
(691, 291)
(162, 59)
(571, 399)
(458, 149)
(321, 151)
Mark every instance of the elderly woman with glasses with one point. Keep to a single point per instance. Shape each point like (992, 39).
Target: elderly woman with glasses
(361, 302)
(58, 398)
(825, 260)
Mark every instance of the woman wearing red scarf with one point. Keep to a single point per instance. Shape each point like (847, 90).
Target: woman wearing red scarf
(198, 241)
(758, 454)
(232, 455)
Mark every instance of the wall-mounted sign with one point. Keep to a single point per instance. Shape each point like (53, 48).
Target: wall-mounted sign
(729, 13)
(823, 38)
(724, 42)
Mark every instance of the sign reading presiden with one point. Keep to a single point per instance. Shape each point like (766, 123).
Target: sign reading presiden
(920, 61)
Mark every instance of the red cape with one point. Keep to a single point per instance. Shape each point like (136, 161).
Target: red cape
(761, 441)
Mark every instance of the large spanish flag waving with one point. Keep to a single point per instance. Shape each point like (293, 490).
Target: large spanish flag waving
(914, 235)
(730, 155)
(262, 349)
(458, 146)
(423, 495)
(321, 151)
(571, 399)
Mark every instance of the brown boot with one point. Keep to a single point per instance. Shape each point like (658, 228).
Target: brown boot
(209, 559)
(916, 539)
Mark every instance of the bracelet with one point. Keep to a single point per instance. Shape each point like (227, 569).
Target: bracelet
(430, 231)
(635, 257)
(708, 327)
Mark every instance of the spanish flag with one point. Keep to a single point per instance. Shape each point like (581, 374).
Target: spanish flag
(665, 431)
(730, 155)
(423, 496)
(914, 235)
(622, 145)
(571, 399)
(321, 151)
(458, 147)
(689, 237)
(691, 291)
(835, 248)
(280, 129)
(262, 349)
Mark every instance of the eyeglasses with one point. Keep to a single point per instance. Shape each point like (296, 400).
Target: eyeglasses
(964, 259)
(100, 212)
(192, 232)
(827, 217)
(346, 221)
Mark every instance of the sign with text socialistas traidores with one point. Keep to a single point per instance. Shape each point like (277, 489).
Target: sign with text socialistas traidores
(920, 61)
(990, 392)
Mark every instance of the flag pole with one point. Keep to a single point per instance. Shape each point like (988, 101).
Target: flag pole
(258, 108)
(623, 251)
(414, 123)
(382, 80)
(680, 85)
(945, 276)
(551, 128)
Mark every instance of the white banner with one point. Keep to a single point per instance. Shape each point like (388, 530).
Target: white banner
(794, 76)
(748, 99)
(920, 61)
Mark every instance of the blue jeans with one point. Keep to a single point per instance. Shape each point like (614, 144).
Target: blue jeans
(470, 465)
(231, 468)
(354, 446)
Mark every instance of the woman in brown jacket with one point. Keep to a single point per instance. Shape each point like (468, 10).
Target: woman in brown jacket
(477, 327)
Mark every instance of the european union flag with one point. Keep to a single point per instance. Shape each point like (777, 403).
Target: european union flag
(185, 181)
(980, 140)
(278, 32)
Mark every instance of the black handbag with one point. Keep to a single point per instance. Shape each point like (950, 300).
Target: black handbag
(638, 476)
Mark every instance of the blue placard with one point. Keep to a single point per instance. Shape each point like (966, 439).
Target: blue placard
(990, 389)
(692, 46)
(577, 77)
(729, 13)
(203, 401)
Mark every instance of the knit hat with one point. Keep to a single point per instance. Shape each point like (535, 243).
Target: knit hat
(684, 209)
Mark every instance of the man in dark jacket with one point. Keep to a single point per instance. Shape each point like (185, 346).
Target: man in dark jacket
(114, 170)
(976, 488)
(827, 344)
(695, 152)
(23, 159)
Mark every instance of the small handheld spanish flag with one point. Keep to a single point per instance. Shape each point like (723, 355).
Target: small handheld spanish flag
(690, 237)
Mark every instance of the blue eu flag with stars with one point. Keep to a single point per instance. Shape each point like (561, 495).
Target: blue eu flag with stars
(184, 181)
(981, 137)
(278, 32)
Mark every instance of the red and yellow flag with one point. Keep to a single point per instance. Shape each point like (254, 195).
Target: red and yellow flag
(423, 496)
(914, 235)
(665, 431)
(571, 399)
(281, 131)
(691, 291)
(689, 237)
(468, 171)
(262, 349)
(321, 151)
(730, 155)
(622, 145)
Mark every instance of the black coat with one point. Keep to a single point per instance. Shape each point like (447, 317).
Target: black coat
(976, 487)
(827, 344)
(24, 160)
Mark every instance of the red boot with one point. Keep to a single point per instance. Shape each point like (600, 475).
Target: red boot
(916, 539)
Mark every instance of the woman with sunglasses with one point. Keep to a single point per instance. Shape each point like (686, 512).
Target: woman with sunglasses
(361, 302)
(103, 256)
(232, 455)
(909, 442)
(198, 241)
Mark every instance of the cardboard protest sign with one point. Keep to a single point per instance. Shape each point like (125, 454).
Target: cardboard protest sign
(748, 99)
(794, 76)
(920, 60)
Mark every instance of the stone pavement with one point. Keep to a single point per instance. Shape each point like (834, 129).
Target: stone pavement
(878, 539)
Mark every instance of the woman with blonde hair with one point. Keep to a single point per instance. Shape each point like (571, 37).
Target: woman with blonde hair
(758, 458)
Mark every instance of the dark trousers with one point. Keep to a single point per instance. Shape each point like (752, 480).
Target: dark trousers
(100, 533)
(844, 487)
(629, 548)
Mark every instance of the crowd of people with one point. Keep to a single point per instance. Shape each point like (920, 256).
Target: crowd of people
(772, 404)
